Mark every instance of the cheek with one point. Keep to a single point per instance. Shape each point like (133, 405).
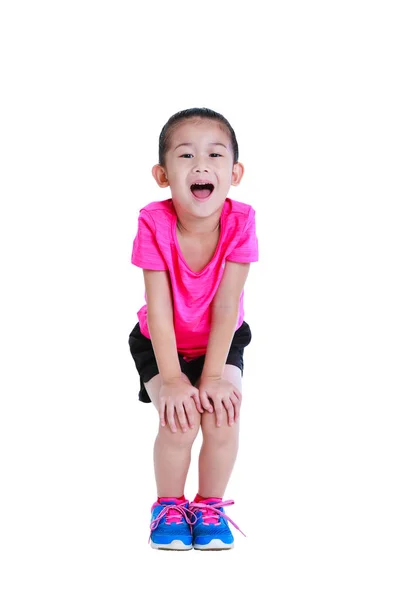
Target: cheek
(177, 180)
(176, 171)
(225, 175)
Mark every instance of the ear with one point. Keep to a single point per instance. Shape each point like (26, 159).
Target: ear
(237, 173)
(160, 175)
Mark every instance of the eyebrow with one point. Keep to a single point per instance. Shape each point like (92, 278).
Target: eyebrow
(210, 144)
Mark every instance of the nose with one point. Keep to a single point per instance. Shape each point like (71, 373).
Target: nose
(200, 166)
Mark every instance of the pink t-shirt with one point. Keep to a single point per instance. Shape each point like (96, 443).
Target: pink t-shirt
(156, 247)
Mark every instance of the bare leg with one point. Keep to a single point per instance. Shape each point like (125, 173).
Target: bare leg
(220, 446)
(172, 451)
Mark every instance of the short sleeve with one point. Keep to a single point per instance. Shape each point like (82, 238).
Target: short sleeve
(246, 249)
(146, 252)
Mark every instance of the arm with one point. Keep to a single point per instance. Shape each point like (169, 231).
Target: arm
(225, 309)
(176, 390)
(160, 320)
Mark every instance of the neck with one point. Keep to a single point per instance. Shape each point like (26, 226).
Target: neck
(190, 225)
(195, 228)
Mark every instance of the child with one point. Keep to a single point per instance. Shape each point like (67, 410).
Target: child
(195, 250)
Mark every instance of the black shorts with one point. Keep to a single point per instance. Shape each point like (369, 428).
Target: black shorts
(142, 352)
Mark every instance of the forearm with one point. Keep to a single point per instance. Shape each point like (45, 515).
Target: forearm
(162, 333)
(223, 325)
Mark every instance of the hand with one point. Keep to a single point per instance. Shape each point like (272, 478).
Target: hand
(176, 402)
(224, 396)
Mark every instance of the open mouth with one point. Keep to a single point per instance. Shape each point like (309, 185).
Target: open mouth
(201, 191)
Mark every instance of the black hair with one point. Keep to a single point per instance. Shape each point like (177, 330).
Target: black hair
(190, 113)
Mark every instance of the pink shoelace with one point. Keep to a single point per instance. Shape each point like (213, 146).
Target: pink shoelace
(174, 513)
(211, 514)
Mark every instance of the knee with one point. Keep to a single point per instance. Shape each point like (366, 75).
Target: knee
(180, 439)
(223, 435)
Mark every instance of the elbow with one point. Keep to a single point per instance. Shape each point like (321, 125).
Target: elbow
(227, 308)
(157, 313)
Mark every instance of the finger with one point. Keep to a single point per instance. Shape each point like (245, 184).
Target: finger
(230, 410)
(171, 417)
(237, 393)
(182, 418)
(196, 398)
(218, 411)
(236, 405)
(161, 412)
(190, 414)
(206, 402)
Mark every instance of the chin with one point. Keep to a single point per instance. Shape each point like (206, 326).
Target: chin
(207, 210)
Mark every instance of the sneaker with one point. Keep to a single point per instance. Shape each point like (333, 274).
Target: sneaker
(171, 525)
(211, 530)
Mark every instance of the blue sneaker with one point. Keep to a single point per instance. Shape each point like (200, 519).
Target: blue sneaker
(211, 530)
(171, 525)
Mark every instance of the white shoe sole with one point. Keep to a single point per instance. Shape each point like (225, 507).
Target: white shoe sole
(213, 545)
(174, 545)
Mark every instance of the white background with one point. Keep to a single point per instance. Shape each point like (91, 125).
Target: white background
(312, 90)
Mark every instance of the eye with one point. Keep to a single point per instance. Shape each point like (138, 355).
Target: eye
(215, 154)
(186, 156)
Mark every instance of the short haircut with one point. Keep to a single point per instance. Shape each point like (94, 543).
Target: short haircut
(193, 113)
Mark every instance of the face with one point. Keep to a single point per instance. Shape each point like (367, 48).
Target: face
(199, 168)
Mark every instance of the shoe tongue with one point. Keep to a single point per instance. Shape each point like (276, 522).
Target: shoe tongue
(209, 515)
(173, 516)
